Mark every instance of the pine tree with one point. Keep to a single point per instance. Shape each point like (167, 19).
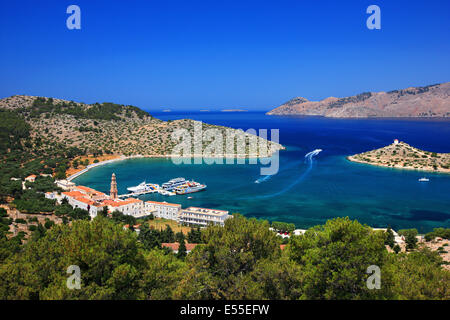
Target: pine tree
(182, 250)
(390, 239)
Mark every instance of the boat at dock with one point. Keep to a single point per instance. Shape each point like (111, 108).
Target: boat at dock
(190, 187)
(143, 187)
(173, 183)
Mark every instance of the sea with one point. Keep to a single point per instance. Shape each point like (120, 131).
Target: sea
(307, 191)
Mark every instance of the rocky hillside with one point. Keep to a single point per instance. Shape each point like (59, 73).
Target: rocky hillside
(429, 101)
(403, 156)
(106, 127)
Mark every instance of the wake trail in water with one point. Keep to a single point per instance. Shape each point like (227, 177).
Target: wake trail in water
(309, 160)
(263, 179)
(282, 169)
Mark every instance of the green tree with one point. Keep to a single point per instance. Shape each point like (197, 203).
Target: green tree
(103, 212)
(109, 258)
(163, 274)
(181, 254)
(419, 275)
(167, 235)
(179, 237)
(48, 224)
(195, 235)
(444, 233)
(219, 268)
(274, 279)
(410, 238)
(149, 238)
(390, 238)
(8, 247)
(334, 258)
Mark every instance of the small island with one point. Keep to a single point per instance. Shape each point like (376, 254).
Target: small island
(233, 110)
(403, 156)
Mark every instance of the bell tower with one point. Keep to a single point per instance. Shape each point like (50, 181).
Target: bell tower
(113, 192)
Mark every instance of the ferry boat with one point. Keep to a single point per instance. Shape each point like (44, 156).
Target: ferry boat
(143, 187)
(190, 187)
(174, 183)
(424, 179)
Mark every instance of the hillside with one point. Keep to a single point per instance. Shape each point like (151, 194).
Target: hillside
(402, 155)
(106, 128)
(428, 101)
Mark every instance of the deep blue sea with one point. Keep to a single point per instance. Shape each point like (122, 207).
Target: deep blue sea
(302, 192)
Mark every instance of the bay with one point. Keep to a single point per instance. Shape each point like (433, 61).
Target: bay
(307, 193)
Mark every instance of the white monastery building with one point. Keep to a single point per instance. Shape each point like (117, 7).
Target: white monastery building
(95, 201)
(164, 210)
(203, 216)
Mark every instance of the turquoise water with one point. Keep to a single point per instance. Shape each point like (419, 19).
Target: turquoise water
(308, 193)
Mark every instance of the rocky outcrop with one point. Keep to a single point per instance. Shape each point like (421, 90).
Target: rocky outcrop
(401, 155)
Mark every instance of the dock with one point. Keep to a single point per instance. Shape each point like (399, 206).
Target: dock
(137, 194)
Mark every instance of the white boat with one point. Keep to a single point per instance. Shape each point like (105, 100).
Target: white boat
(424, 179)
(190, 187)
(172, 184)
(143, 187)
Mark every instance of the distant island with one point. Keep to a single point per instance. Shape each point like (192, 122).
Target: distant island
(233, 110)
(428, 101)
(403, 156)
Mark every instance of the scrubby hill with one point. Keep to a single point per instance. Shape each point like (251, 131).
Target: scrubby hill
(428, 101)
(402, 155)
(99, 127)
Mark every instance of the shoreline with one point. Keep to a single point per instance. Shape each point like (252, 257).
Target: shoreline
(300, 115)
(351, 159)
(122, 158)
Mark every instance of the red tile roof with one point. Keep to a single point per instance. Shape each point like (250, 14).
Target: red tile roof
(164, 203)
(119, 203)
(84, 200)
(73, 194)
(86, 189)
(175, 245)
(90, 190)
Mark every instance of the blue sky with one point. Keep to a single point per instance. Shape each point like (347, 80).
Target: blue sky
(220, 54)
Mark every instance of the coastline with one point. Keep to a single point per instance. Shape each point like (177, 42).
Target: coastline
(123, 157)
(301, 115)
(352, 159)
